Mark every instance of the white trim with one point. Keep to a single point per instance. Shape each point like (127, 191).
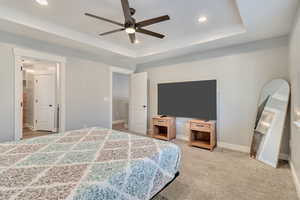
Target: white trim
(38, 55)
(19, 53)
(112, 70)
(242, 148)
(284, 156)
(234, 147)
(110, 98)
(121, 70)
(295, 178)
(62, 96)
(18, 99)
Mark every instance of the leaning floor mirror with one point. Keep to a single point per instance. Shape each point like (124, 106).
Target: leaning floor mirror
(270, 122)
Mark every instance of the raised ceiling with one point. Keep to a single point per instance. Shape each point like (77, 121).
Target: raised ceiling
(229, 22)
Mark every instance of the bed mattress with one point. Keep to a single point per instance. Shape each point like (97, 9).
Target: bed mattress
(87, 164)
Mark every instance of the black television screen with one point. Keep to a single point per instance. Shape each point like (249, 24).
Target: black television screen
(195, 99)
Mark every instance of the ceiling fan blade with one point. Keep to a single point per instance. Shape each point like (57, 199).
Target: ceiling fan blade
(151, 33)
(113, 31)
(132, 37)
(126, 11)
(149, 22)
(104, 19)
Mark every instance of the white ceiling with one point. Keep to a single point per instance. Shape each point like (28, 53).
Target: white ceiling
(229, 22)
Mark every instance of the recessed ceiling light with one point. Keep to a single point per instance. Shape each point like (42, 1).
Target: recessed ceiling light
(42, 2)
(202, 19)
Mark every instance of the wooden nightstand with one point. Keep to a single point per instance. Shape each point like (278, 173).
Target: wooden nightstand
(202, 134)
(164, 128)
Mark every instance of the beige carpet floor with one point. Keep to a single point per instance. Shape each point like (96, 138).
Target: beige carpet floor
(228, 175)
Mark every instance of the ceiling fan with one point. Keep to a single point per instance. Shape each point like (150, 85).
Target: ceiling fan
(130, 25)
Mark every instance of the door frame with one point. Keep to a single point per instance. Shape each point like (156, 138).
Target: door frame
(19, 53)
(113, 70)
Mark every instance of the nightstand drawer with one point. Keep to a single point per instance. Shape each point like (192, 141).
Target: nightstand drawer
(200, 127)
(160, 122)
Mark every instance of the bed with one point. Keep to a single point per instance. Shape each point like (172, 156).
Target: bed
(87, 164)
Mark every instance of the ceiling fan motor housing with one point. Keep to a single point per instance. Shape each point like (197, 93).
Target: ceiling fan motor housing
(130, 25)
(132, 11)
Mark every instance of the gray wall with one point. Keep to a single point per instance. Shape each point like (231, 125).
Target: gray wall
(241, 72)
(295, 103)
(87, 84)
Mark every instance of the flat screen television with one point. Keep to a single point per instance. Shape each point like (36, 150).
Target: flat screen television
(195, 99)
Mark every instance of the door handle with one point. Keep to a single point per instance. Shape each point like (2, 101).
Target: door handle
(144, 106)
(50, 105)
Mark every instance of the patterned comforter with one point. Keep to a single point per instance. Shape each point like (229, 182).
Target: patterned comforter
(89, 164)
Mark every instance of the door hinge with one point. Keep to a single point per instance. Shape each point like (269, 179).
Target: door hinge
(21, 68)
(36, 121)
(21, 103)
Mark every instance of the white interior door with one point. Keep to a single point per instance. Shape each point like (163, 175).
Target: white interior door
(45, 104)
(138, 103)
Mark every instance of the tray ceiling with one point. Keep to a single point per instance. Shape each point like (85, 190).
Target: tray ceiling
(238, 21)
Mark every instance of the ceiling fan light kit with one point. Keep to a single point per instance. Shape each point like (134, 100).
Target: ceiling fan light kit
(42, 2)
(130, 30)
(130, 26)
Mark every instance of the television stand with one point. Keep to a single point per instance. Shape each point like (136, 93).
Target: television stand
(164, 128)
(202, 134)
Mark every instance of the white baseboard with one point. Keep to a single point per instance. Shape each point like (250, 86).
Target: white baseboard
(182, 137)
(295, 178)
(27, 125)
(234, 147)
(283, 156)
